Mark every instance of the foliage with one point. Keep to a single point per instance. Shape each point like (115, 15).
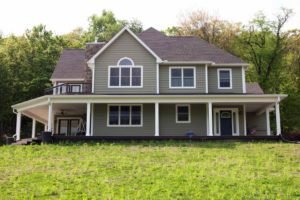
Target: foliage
(290, 109)
(105, 26)
(151, 170)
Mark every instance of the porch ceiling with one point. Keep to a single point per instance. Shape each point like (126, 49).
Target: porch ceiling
(250, 107)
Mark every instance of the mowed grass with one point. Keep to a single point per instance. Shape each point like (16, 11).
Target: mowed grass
(151, 170)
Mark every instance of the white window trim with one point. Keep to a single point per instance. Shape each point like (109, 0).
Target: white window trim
(176, 114)
(181, 87)
(230, 76)
(72, 84)
(125, 66)
(233, 110)
(119, 125)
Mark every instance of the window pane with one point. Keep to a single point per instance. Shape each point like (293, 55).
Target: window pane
(114, 115)
(114, 81)
(136, 81)
(176, 82)
(114, 71)
(182, 113)
(224, 83)
(224, 78)
(125, 81)
(125, 115)
(188, 72)
(188, 82)
(176, 72)
(114, 76)
(135, 115)
(125, 61)
(74, 126)
(63, 126)
(136, 71)
(75, 88)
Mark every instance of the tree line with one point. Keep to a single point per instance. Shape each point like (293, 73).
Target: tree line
(27, 61)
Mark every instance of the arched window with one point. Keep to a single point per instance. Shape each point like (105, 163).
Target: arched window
(125, 74)
(125, 61)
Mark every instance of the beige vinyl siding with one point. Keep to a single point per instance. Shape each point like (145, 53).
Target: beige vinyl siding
(101, 128)
(164, 81)
(237, 85)
(125, 46)
(257, 122)
(169, 127)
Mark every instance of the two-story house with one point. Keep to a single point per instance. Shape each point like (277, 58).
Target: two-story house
(151, 84)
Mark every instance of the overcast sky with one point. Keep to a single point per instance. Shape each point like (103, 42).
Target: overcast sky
(62, 16)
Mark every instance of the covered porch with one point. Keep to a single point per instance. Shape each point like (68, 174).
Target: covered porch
(240, 115)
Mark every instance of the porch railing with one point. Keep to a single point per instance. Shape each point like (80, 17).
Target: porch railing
(69, 89)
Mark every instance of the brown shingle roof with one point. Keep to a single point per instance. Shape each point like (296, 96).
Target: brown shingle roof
(253, 88)
(71, 65)
(185, 48)
(72, 62)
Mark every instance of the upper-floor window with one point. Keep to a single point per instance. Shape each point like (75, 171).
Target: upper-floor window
(125, 74)
(182, 77)
(224, 79)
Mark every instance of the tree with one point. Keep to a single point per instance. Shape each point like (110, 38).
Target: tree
(265, 46)
(105, 26)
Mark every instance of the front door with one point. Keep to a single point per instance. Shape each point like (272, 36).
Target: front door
(68, 126)
(226, 122)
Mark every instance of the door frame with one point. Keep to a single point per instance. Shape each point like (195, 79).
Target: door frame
(235, 130)
(68, 118)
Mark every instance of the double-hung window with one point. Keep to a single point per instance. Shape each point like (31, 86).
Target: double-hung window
(125, 74)
(124, 115)
(224, 79)
(182, 77)
(183, 114)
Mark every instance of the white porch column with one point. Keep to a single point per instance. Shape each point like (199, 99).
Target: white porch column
(156, 119)
(33, 128)
(18, 126)
(268, 121)
(88, 119)
(245, 121)
(49, 117)
(278, 125)
(45, 127)
(210, 119)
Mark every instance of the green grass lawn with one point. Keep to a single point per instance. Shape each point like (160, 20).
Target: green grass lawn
(151, 170)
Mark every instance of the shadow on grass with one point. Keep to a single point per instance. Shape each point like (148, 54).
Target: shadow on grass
(153, 143)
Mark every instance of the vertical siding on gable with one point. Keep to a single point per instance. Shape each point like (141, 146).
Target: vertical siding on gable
(237, 86)
(125, 46)
(169, 127)
(164, 81)
(101, 128)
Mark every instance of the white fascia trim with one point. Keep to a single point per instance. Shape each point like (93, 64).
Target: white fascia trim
(230, 76)
(91, 61)
(230, 64)
(165, 62)
(206, 79)
(66, 79)
(157, 78)
(243, 80)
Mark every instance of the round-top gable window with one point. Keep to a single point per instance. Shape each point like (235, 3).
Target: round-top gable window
(126, 61)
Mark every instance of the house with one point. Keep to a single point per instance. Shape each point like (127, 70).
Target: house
(150, 84)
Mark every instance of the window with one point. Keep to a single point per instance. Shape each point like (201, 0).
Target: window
(224, 78)
(125, 115)
(125, 74)
(74, 88)
(182, 77)
(183, 114)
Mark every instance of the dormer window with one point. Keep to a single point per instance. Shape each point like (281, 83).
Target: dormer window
(125, 74)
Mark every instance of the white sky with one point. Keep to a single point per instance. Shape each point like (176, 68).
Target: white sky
(62, 16)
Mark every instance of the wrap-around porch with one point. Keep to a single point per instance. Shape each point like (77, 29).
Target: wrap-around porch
(90, 116)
